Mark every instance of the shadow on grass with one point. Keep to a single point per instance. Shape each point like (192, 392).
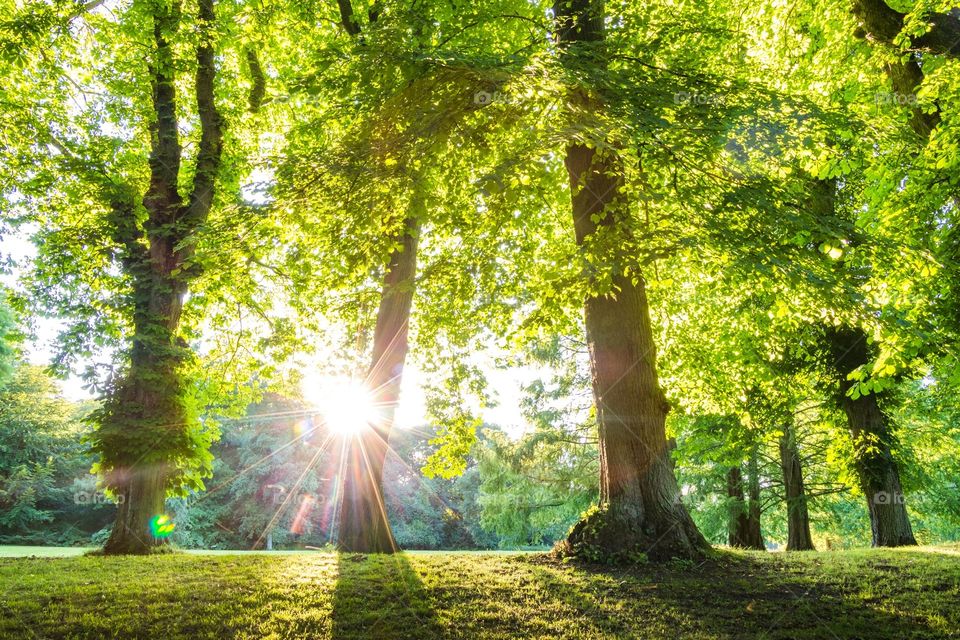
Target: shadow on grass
(381, 596)
(742, 597)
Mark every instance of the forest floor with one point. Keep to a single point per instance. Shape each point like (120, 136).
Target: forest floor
(903, 593)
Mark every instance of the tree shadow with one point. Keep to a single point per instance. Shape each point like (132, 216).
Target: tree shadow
(381, 596)
(732, 596)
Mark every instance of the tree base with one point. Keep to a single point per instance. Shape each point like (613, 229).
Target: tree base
(604, 537)
(368, 546)
(163, 549)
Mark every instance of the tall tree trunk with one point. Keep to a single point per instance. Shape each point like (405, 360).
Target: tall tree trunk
(798, 517)
(872, 439)
(754, 535)
(743, 523)
(145, 433)
(640, 509)
(738, 524)
(869, 426)
(364, 526)
(147, 405)
(881, 24)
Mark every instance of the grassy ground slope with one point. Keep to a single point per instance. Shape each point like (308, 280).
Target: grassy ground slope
(855, 594)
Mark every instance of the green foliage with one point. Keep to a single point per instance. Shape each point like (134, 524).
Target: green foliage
(277, 471)
(7, 327)
(777, 188)
(534, 488)
(47, 495)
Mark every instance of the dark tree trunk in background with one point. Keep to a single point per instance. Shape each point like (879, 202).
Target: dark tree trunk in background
(754, 536)
(881, 23)
(144, 429)
(737, 523)
(743, 524)
(364, 526)
(640, 509)
(870, 430)
(798, 517)
(869, 426)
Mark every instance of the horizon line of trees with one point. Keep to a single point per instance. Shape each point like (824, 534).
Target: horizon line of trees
(517, 492)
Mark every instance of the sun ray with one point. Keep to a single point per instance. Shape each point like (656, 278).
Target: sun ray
(257, 463)
(292, 492)
(376, 482)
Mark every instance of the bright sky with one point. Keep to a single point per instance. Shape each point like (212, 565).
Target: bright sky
(505, 385)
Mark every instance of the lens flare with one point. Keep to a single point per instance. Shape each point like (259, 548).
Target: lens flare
(303, 513)
(161, 526)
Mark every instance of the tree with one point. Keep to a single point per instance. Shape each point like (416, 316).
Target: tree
(398, 149)
(149, 210)
(363, 519)
(7, 326)
(640, 508)
(873, 442)
(798, 516)
(145, 424)
(744, 527)
(47, 495)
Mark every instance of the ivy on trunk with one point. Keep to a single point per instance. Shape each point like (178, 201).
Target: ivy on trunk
(145, 430)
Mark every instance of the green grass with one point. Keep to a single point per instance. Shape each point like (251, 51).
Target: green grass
(851, 594)
(16, 551)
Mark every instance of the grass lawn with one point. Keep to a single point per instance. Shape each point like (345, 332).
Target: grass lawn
(851, 594)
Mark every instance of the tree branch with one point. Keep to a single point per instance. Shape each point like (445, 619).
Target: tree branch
(349, 23)
(211, 127)
(259, 87)
(162, 199)
(883, 23)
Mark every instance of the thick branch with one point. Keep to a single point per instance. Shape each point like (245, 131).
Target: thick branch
(906, 78)
(374, 13)
(349, 23)
(259, 87)
(211, 127)
(162, 199)
(883, 23)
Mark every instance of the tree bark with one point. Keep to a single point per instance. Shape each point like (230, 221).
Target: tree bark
(640, 511)
(145, 429)
(743, 524)
(147, 405)
(364, 526)
(870, 430)
(737, 522)
(880, 22)
(798, 517)
(754, 535)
